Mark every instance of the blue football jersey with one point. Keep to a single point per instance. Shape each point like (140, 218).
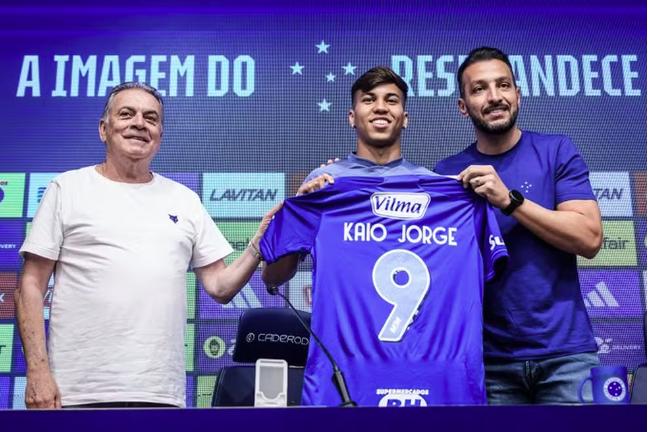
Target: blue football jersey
(399, 265)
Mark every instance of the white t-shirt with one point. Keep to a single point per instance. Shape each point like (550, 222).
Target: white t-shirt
(118, 316)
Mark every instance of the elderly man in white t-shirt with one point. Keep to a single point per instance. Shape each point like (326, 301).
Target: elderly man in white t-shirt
(119, 239)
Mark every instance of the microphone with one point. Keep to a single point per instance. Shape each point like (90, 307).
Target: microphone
(338, 377)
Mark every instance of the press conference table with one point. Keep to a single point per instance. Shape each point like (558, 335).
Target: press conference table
(453, 418)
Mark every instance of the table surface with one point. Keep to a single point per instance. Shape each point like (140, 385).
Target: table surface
(587, 418)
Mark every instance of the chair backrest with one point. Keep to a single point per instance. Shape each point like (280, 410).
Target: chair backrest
(638, 393)
(273, 333)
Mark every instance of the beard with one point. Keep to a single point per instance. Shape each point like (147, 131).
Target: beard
(498, 129)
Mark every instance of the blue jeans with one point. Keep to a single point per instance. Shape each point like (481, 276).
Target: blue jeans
(553, 380)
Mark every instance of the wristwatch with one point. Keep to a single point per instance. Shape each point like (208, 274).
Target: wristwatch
(516, 201)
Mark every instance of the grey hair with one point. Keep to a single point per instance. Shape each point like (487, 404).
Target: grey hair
(132, 85)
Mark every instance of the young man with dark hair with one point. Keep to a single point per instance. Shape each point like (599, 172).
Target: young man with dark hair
(375, 77)
(400, 256)
(538, 340)
(378, 115)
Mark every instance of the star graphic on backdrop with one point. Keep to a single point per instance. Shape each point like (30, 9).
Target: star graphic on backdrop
(297, 68)
(330, 77)
(322, 47)
(324, 105)
(349, 69)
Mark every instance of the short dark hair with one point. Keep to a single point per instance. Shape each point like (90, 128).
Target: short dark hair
(482, 54)
(132, 85)
(378, 76)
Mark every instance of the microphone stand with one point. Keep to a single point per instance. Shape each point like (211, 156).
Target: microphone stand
(338, 377)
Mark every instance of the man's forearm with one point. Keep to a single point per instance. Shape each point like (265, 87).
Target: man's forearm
(281, 271)
(223, 282)
(29, 312)
(234, 277)
(570, 229)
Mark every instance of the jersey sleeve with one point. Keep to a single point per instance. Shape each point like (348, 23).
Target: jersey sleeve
(293, 228)
(572, 175)
(493, 250)
(316, 172)
(46, 235)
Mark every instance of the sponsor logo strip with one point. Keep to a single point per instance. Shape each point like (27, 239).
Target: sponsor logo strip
(190, 341)
(5, 381)
(205, 390)
(248, 195)
(611, 293)
(6, 347)
(620, 343)
(38, 183)
(191, 295)
(215, 345)
(640, 228)
(12, 191)
(8, 285)
(640, 193)
(19, 392)
(300, 291)
(612, 190)
(11, 237)
(618, 247)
